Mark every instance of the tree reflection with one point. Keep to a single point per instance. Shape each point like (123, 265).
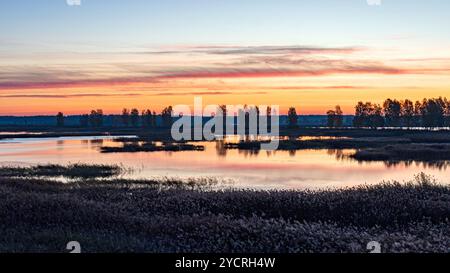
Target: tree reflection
(441, 165)
(220, 148)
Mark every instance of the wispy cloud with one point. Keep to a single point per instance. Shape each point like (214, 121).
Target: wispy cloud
(254, 50)
(209, 73)
(269, 50)
(209, 93)
(64, 96)
(317, 87)
(230, 62)
(278, 72)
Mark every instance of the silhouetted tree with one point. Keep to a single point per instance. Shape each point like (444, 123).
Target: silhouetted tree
(331, 118)
(407, 112)
(134, 117)
(446, 112)
(60, 119)
(376, 118)
(125, 117)
(147, 118)
(417, 113)
(358, 120)
(292, 117)
(166, 116)
(368, 115)
(339, 116)
(154, 119)
(432, 112)
(335, 117)
(392, 110)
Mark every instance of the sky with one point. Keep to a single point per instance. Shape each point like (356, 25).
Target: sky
(312, 55)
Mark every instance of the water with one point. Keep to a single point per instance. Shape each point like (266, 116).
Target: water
(281, 169)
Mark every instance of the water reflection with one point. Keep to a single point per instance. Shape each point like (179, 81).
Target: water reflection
(440, 165)
(220, 148)
(246, 168)
(60, 145)
(345, 155)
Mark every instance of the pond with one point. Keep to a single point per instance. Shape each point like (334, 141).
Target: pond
(262, 170)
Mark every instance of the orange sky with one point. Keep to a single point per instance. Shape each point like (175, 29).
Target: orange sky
(311, 55)
(312, 79)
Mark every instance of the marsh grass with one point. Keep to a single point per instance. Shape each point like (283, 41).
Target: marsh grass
(73, 171)
(134, 147)
(418, 152)
(170, 215)
(295, 144)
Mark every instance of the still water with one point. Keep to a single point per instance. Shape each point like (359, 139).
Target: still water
(263, 170)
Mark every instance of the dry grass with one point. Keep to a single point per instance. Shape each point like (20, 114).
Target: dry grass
(157, 216)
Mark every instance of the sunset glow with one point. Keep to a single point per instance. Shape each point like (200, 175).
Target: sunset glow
(148, 61)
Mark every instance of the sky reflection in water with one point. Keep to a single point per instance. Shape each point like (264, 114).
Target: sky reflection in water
(262, 169)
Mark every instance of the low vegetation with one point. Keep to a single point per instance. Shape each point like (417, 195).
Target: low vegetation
(73, 171)
(390, 146)
(134, 147)
(395, 153)
(119, 215)
(344, 143)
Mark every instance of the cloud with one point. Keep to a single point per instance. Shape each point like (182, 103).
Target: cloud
(80, 83)
(208, 93)
(317, 87)
(63, 96)
(278, 72)
(268, 50)
(255, 50)
(425, 60)
(236, 62)
(208, 73)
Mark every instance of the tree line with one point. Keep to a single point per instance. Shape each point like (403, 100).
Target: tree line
(128, 118)
(434, 112)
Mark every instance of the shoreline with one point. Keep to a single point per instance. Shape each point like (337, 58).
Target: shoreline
(390, 146)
